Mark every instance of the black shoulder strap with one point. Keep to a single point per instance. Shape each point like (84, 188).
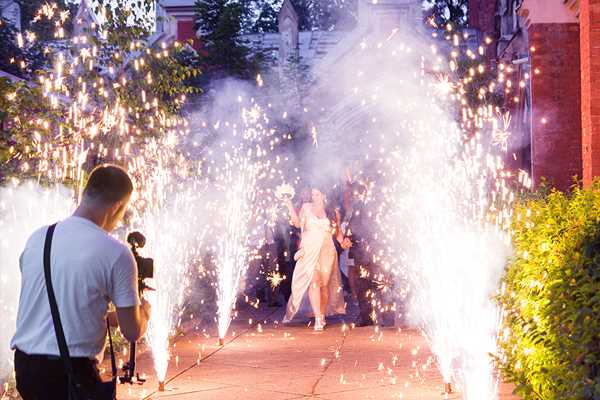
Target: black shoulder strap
(113, 362)
(58, 328)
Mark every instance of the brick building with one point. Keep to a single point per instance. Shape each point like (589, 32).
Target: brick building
(176, 19)
(552, 48)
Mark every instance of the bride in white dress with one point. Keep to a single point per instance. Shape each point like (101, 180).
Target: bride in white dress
(317, 274)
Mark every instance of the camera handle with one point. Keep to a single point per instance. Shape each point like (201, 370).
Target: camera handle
(129, 367)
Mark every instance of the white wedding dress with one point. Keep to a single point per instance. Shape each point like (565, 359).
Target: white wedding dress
(317, 255)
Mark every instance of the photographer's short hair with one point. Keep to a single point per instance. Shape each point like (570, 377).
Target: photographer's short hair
(108, 184)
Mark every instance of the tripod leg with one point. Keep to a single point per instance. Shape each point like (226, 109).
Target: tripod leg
(132, 359)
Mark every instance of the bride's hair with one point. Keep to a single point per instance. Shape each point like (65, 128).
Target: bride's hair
(329, 205)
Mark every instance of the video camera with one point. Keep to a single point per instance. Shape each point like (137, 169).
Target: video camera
(145, 265)
(145, 268)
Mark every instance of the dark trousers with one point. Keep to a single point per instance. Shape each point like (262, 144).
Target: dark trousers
(285, 259)
(365, 286)
(268, 265)
(366, 290)
(44, 378)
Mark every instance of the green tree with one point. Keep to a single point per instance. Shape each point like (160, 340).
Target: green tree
(550, 347)
(20, 60)
(326, 14)
(219, 23)
(25, 120)
(445, 12)
(267, 19)
(123, 74)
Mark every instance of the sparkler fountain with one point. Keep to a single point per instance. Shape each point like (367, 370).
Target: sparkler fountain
(440, 193)
(237, 181)
(173, 225)
(89, 124)
(232, 248)
(24, 207)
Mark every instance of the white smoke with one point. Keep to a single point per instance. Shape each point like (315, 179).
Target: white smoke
(387, 119)
(23, 209)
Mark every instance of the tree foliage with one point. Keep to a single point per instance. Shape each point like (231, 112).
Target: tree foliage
(446, 12)
(119, 72)
(25, 120)
(551, 345)
(267, 20)
(41, 27)
(21, 60)
(219, 24)
(326, 15)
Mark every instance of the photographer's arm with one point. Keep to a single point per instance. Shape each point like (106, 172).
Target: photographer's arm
(132, 315)
(133, 321)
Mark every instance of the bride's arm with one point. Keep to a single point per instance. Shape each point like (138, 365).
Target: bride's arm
(294, 217)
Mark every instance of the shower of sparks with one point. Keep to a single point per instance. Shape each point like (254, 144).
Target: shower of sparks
(275, 278)
(440, 197)
(500, 135)
(91, 127)
(239, 180)
(434, 185)
(175, 231)
(240, 176)
(24, 207)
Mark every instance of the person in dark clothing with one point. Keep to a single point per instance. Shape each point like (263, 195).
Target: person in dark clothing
(358, 229)
(287, 239)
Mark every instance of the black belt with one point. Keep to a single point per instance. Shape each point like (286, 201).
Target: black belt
(50, 357)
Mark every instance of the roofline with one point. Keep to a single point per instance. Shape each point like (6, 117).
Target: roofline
(9, 76)
(179, 8)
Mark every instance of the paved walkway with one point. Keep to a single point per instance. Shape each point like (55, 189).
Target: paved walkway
(265, 360)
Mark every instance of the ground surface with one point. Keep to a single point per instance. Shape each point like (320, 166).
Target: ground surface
(275, 362)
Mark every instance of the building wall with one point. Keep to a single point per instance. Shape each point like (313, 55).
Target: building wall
(556, 103)
(590, 87)
(186, 31)
(512, 50)
(482, 16)
(561, 100)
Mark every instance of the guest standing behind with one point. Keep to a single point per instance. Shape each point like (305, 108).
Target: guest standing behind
(360, 233)
(89, 268)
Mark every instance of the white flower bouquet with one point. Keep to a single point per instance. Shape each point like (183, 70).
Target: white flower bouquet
(285, 191)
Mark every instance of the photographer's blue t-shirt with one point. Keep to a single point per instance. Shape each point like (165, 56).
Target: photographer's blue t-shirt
(89, 269)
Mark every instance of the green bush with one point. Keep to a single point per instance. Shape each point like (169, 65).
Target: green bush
(550, 345)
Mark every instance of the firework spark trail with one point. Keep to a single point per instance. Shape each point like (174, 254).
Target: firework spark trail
(24, 207)
(94, 127)
(244, 166)
(233, 243)
(175, 234)
(440, 196)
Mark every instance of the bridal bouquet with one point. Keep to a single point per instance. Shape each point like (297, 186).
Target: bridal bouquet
(284, 191)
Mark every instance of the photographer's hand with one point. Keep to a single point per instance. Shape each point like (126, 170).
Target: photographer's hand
(133, 321)
(146, 309)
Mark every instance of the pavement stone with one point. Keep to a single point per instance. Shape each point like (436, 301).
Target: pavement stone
(286, 362)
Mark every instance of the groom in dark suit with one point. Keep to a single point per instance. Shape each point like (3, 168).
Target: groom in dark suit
(359, 231)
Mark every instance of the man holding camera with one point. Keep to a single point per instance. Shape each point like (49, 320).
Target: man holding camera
(89, 269)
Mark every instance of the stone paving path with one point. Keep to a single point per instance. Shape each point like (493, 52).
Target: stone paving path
(275, 362)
